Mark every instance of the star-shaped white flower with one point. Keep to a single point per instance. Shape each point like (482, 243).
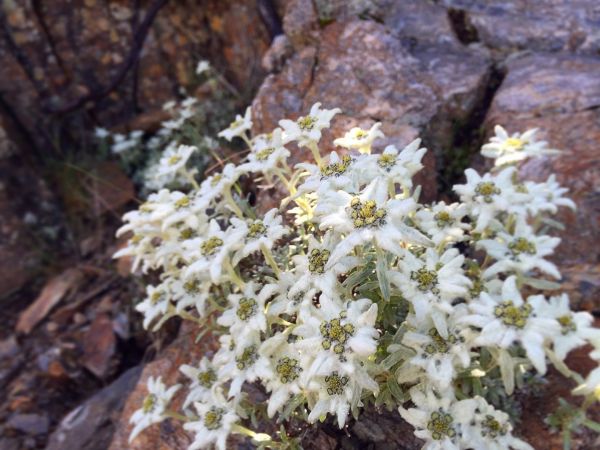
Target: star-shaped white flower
(154, 406)
(307, 129)
(239, 126)
(509, 149)
(507, 319)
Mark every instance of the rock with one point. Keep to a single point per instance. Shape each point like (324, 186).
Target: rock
(33, 424)
(56, 60)
(9, 347)
(169, 435)
(549, 26)
(54, 291)
(90, 426)
(99, 344)
(560, 95)
(367, 70)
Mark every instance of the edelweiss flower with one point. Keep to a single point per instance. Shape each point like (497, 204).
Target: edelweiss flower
(431, 283)
(217, 185)
(368, 218)
(340, 338)
(546, 196)
(488, 195)
(360, 139)
(291, 294)
(438, 420)
(175, 159)
(203, 66)
(520, 252)
(396, 166)
(247, 314)
(258, 233)
(307, 129)
(336, 174)
(267, 152)
(156, 304)
(443, 223)
(216, 418)
(208, 255)
(238, 361)
(439, 356)
(154, 406)
(238, 127)
(507, 319)
(488, 428)
(314, 269)
(193, 291)
(575, 327)
(507, 149)
(284, 364)
(203, 379)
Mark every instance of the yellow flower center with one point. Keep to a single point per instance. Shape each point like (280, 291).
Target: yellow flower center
(427, 279)
(493, 428)
(247, 358)
(522, 245)
(486, 189)
(192, 287)
(211, 245)
(174, 160)
(156, 297)
(288, 369)
(317, 260)
(335, 384)
(366, 214)
(306, 123)
(440, 425)
(361, 134)
(335, 335)
(514, 144)
(566, 323)
(186, 233)
(443, 219)
(183, 202)
(256, 229)
(246, 308)
(439, 344)
(338, 168)
(386, 160)
(511, 315)
(213, 417)
(207, 378)
(265, 153)
(149, 403)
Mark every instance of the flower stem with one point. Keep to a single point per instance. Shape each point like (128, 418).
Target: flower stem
(269, 258)
(315, 152)
(176, 416)
(231, 202)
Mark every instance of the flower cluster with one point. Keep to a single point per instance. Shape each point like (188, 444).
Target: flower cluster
(352, 291)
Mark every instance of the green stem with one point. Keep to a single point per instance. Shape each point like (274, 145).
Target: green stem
(246, 140)
(231, 202)
(269, 258)
(233, 275)
(315, 152)
(190, 178)
(176, 416)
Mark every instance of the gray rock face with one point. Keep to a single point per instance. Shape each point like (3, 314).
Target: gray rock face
(548, 25)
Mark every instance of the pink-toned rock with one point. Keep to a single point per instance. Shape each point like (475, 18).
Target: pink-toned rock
(546, 26)
(560, 95)
(366, 70)
(168, 435)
